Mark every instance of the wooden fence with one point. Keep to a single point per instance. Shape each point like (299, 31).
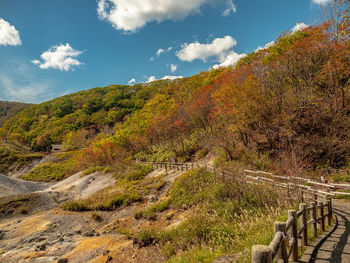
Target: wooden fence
(285, 243)
(313, 213)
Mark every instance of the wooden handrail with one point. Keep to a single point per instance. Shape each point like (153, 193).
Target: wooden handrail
(279, 249)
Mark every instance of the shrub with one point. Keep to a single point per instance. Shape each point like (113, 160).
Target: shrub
(96, 217)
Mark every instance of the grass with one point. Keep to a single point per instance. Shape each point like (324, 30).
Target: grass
(54, 171)
(11, 154)
(150, 213)
(126, 191)
(227, 217)
(104, 204)
(16, 204)
(93, 170)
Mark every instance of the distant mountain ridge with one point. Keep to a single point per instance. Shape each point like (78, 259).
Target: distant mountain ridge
(9, 109)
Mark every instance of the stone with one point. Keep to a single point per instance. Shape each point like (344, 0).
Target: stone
(62, 260)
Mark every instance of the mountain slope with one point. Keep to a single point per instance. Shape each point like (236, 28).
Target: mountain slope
(9, 109)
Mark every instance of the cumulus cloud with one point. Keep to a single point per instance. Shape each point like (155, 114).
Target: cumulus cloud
(62, 57)
(218, 48)
(150, 79)
(132, 81)
(229, 60)
(298, 27)
(270, 44)
(173, 67)
(167, 77)
(172, 77)
(131, 15)
(9, 35)
(321, 2)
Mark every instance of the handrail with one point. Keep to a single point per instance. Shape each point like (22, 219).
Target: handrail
(285, 232)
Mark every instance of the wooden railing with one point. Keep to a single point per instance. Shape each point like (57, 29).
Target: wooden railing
(288, 236)
(285, 243)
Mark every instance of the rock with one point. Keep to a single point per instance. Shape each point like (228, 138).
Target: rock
(91, 233)
(78, 232)
(105, 252)
(109, 258)
(41, 247)
(62, 260)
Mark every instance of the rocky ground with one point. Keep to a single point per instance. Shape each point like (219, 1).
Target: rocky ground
(46, 233)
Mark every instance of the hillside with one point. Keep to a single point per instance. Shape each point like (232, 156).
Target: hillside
(284, 109)
(9, 109)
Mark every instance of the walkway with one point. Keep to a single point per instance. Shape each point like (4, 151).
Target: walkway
(334, 245)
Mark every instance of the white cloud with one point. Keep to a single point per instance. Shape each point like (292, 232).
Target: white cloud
(60, 57)
(321, 2)
(31, 91)
(270, 44)
(172, 77)
(151, 78)
(131, 15)
(231, 8)
(173, 67)
(36, 61)
(9, 35)
(229, 60)
(132, 81)
(218, 48)
(167, 77)
(160, 51)
(298, 27)
(169, 49)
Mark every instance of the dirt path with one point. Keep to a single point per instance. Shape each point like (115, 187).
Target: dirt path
(335, 245)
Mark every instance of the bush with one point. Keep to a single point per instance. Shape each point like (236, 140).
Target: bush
(96, 217)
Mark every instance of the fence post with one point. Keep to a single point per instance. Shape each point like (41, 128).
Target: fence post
(330, 209)
(261, 254)
(302, 196)
(322, 216)
(294, 231)
(303, 223)
(166, 168)
(282, 251)
(315, 195)
(313, 217)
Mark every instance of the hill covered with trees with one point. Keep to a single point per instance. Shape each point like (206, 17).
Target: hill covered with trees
(286, 105)
(9, 109)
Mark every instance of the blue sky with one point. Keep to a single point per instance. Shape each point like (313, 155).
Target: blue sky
(50, 48)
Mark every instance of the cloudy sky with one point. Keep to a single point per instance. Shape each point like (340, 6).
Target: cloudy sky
(50, 48)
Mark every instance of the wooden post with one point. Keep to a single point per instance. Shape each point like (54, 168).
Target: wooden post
(282, 252)
(330, 209)
(261, 254)
(166, 168)
(302, 196)
(313, 217)
(328, 218)
(303, 223)
(294, 231)
(315, 195)
(322, 216)
(192, 165)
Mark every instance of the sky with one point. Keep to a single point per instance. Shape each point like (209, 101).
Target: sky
(50, 48)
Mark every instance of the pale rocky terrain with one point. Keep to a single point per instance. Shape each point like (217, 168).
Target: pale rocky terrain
(46, 233)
